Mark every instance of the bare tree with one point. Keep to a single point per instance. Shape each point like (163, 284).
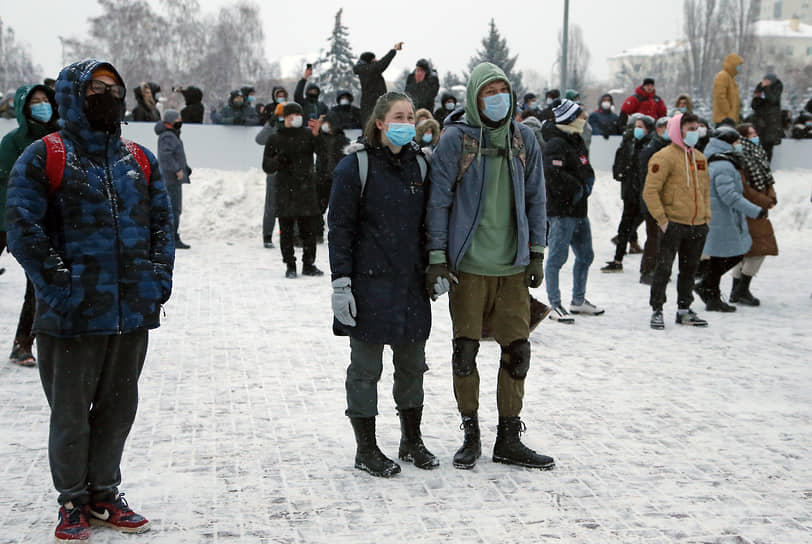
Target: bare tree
(701, 29)
(738, 29)
(17, 67)
(578, 57)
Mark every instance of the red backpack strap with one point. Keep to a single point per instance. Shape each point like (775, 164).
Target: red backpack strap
(54, 160)
(140, 157)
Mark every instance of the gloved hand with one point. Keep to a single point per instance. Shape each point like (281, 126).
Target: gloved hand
(439, 279)
(763, 213)
(534, 272)
(344, 302)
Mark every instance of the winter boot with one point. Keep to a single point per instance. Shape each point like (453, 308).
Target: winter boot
(412, 448)
(290, 273)
(367, 455)
(471, 448)
(311, 270)
(21, 352)
(179, 244)
(741, 292)
(714, 303)
(634, 248)
(510, 450)
(705, 293)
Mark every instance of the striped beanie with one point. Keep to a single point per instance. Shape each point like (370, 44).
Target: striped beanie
(566, 112)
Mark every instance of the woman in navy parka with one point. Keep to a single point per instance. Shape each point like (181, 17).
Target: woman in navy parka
(377, 257)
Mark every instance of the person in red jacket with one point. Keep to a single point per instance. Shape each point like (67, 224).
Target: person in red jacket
(645, 101)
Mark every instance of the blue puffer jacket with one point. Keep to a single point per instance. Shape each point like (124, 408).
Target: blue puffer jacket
(99, 250)
(377, 240)
(455, 208)
(729, 235)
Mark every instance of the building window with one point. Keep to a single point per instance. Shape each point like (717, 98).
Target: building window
(809, 51)
(790, 50)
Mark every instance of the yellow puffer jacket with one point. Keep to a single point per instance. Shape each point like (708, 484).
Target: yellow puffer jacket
(726, 101)
(670, 194)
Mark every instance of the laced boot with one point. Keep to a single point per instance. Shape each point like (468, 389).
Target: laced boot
(367, 455)
(471, 448)
(510, 450)
(412, 448)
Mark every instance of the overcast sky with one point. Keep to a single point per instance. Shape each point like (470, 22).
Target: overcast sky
(447, 32)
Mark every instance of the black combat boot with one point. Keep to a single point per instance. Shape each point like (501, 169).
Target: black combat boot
(471, 448)
(741, 292)
(367, 455)
(510, 450)
(412, 448)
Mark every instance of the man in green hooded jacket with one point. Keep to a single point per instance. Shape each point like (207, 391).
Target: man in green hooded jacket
(486, 229)
(35, 107)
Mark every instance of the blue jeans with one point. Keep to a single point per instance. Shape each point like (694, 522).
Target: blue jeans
(566, 232)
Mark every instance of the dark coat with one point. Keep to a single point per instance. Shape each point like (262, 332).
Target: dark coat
(238, 115)
(372, 83)
(605, 123)
(332, 145)
(194, 110)
(28, 131)
(567, 171)
(377, 240)
(142, 112)
(423, 93)
(767, 112)
(626, 168)
(171, 155)
(100, 264)
(310, 109)
(348, 117)
(289, 155)
(441, 113)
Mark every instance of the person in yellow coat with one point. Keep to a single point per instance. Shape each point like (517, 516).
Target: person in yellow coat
(726, 101)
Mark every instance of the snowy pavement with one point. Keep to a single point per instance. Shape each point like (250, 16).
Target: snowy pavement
(699, 436)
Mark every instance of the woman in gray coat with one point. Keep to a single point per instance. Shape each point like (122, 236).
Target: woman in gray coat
(728, 238)
(172, 159)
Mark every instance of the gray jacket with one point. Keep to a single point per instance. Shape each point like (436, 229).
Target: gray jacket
(171, 155)
(455, 208)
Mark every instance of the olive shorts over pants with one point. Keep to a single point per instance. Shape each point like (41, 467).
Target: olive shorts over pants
(505, 302)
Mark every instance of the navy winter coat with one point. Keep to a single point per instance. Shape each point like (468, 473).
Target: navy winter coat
(377, 240)
(99, 250)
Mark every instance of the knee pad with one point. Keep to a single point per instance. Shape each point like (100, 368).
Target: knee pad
(463, 362)
(517, 362)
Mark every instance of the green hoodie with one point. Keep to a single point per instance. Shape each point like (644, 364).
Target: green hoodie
(15, 142)
(493, 249)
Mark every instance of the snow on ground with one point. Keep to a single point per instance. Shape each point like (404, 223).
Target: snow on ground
(659, 436)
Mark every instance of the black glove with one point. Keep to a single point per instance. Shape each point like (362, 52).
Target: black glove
(534, 272)
(439, 279)
(188, 171)
(763, 213)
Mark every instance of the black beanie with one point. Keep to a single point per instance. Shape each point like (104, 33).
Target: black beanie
(648, 80)
(291, 108)
(726, 134)
(367, 56)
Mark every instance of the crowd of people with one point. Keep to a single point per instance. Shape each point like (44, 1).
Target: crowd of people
(462, 198)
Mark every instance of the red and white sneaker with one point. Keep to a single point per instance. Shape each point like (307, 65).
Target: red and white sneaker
(117, 515)
(73, 524)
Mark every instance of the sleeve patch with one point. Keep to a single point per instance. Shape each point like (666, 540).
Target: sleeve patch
(655, 168)
(558, 162)
(700, 165)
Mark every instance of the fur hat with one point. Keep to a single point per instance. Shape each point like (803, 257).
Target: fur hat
(291, 108)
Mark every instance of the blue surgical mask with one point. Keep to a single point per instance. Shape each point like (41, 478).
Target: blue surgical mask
(250, 99)
(737, 148)
(639, 133)
(691, 138)
(427, 138)
(666, 137)
(683, 109)
(400, 134)
(450, 105)
(42, 111)
(497, 106)
(755, 140)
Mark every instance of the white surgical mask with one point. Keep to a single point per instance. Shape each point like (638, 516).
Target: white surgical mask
(296, 122)
(703, 131)
(344, 102)
(606, 105)
(325, 127)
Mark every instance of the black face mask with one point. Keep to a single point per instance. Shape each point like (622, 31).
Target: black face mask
(103, 112)
(313, 98)
(176, 127)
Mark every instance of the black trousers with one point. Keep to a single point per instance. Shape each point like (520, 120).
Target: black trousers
(716, 269)
(652, 247)
(26, 321)
(269, 213)
(91, 383)
(627, 230)
(306, 231)
(687, 241)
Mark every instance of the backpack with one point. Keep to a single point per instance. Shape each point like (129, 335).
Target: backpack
(363, 167)
(55, 159)
(470, 149)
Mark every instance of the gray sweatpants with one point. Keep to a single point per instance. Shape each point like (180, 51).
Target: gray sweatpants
(91, 383)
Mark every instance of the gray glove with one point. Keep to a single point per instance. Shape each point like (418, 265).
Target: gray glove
(343, 302)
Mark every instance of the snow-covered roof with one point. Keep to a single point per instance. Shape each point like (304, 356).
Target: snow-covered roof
(782, 29)
(652, 50)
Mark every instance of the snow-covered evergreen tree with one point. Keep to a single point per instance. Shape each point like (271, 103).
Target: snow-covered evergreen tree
(495, 50)
(334, 67)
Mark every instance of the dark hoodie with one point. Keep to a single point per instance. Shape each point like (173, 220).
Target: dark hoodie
(441, 113)
(349, 116)
(143, 111)
(372, 82)
(604, 122)
(766, 106)
(243, 114)
(193, 112)
(310, 109)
